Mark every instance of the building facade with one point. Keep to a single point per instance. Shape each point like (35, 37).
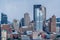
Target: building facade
(6, 27)
(22, 22)
(4, 18)
(16, 24)
(39, 16)
(52, 24)
(26, 19)
(3, 35)
(58, 25)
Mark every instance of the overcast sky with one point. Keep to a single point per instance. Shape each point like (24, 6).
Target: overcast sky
(15, 9)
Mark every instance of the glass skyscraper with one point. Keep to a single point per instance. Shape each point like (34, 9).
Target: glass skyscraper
(22, 22)
(3, 18)
(39, 17)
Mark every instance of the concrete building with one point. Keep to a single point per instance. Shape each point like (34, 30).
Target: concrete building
(6, 27)
(31, 24)
(3, 35)
(52, 24)
(26, 19)
(24, 29)
(16, 24)
(39, 16)
(57, 25)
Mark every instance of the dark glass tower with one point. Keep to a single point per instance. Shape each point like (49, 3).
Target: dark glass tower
(3, 18)
(22, 22)
(39, 16)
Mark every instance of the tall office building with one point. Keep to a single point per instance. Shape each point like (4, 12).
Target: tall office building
(3, 18)
(39, 17)
(52, 24)
(21, 22)
(26, 19)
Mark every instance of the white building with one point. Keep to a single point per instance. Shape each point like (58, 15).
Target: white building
(4, 34)
(16, 24)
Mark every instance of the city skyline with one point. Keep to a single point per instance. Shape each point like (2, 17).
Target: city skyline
(29, 20)
(19, 7)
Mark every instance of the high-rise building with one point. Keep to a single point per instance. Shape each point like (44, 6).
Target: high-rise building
(16, 24)
(21, 22)
(39, 17)
(3, 18)
(58, 25)
(52, 24)
(26, 19)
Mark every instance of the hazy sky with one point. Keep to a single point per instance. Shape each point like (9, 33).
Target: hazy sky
(15, 9)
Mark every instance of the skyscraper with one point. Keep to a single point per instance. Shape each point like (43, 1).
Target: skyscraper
(22, 22)
(52, 24)
(26, 19)
(4, 18)
(39, 16)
